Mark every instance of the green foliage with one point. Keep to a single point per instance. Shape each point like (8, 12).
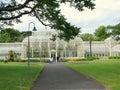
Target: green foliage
(10, 35)
(25, 34)
(11, 55)
(114, 57)
(81, 59)
(40, 60)
(101, 33)
(87, 37)
(87, 59)
(91, 58)
(33, 60)
(65, 60)
(45, 11)
(115, 31)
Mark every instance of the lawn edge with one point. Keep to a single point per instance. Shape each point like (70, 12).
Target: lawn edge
(37, 77)
(88, 77)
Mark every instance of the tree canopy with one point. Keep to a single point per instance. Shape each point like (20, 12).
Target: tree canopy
(87, 37)
(101, 33)
(46, 11)
(10, 35)
(115, 30)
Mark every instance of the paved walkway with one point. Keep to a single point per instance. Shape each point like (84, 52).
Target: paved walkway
(58, 77)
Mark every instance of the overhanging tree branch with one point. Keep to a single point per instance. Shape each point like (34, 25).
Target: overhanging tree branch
(41, 20)
(46, 11)
(14, 8)
(19, 15)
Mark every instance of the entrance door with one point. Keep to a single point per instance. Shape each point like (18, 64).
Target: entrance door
(53, 53)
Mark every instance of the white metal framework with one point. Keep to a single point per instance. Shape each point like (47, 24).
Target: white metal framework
(41, 46)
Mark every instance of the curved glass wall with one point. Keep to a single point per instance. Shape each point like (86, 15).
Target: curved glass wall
(116, 50)
(99, 49)
(42, 46)
(6, 47)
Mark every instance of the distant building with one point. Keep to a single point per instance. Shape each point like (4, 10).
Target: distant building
(41, 46)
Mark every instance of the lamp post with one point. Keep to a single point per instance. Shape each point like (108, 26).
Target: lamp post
(28, 53)
(90, 42)
(90, 48)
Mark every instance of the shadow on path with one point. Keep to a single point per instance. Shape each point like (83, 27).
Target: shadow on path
(58, 77)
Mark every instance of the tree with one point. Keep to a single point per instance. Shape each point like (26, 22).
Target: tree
(86, 36)
(101, 33)
(25, 34)
(46, 11)
(10, 35)
(11, 55)
(115, 31)
(90, 38)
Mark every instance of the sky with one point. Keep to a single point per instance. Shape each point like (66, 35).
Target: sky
(106, 12)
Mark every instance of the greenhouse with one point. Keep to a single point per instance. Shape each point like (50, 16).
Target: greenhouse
(6, 47)
(41, 46)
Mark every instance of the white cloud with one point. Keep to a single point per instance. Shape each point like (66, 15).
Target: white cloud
(106, 13)
(105, 4)
(74, 14)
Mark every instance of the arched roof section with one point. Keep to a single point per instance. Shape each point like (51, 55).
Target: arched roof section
(78, 41)
(39, 36)
(110, 42)
(44, 36)
(37, 39)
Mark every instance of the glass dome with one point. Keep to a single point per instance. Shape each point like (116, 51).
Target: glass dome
(110, 42)
(42, 46)
(40, 36)
(44, 36)
(36, 38)
(78, 41)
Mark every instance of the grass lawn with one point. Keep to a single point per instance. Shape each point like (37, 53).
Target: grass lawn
(16, 76)
(106, 72)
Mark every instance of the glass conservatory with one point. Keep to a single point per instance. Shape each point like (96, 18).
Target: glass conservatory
(6, 47)
(41, 46)
(116, 50)
(98, 49)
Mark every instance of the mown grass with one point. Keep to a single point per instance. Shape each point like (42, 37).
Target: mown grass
(16, 76)
(106, 72)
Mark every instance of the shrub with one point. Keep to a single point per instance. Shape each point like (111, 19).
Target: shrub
(44, 60)
(114, 57)
(11, 55)
(83, 59)
(1, 60)
(87, 59)
(92, 58)
(65, 60)
(33, 60)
